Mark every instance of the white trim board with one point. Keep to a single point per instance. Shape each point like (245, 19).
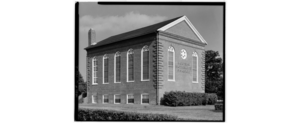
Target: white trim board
(183, 18)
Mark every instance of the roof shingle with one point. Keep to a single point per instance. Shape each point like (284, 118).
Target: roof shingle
(133, 34)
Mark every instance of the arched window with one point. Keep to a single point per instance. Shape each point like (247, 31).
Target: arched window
(105, 69)
(145, 63)
(171, 64)
(94, 71)
(195, 67)
(130, 66)
(117, 67)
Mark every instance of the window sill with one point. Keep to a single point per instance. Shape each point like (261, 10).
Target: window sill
(105, 83)
(145, 80)
(171, 80)
(94, 83)
(195, 82)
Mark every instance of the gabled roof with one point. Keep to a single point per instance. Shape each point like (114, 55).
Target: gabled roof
(162, 26)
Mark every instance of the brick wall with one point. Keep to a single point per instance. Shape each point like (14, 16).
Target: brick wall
(183, 71)
(137, 87)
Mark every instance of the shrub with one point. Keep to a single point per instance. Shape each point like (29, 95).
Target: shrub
(100, 115)
(211, 98)
(178, 98)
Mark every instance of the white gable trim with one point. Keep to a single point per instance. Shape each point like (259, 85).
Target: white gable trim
(183, 18)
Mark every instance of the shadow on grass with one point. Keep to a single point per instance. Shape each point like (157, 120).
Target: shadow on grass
(217, 111)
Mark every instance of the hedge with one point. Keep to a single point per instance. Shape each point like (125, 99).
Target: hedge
(101, 115)
(211, 98)
(179, 98)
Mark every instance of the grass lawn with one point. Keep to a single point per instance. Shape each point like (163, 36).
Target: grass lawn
(191, 112)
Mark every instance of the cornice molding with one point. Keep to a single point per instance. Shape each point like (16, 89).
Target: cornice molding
(181, 38)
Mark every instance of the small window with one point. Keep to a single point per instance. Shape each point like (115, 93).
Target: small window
(117, 98)
(130, 99)
(105, 99)
(145, 98)
(94, 99)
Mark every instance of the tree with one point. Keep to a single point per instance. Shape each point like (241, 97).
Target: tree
(214, 73)
(80, 85)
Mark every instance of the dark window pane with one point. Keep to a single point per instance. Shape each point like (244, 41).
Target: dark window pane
(118, 68)
(145, 98)
(131, 67)
(146, 65)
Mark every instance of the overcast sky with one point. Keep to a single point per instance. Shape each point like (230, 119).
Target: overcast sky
(109, 20)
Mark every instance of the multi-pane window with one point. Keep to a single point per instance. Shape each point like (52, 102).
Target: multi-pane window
(105, 98)
(145, 98)
(130, 66)
(145, 63)
(117, 99)
(117, 67)
(195, 67)
(94, 70)
(105, 69)
(171, 66)
(94, 99)
(130, 99)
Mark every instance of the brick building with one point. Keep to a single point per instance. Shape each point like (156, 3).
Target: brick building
(139, 66)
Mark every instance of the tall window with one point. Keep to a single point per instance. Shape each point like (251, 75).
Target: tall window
(145, 63)
(117, 68)
(117, 99)
(171, 66)
(130, 99)
(105, 69)
(105, 98)
(94, 71)
(130, 66)
(195, 67)
(145, 98)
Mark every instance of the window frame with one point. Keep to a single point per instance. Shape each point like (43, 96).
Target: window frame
(142, 99)
(127, 102)
(171, 49)
(103, 69)
(127, 64)
(144, 49)
(115, 98)
(115, 67)
(197, 67)
(93, 71)
(93, 99)
(103, 98)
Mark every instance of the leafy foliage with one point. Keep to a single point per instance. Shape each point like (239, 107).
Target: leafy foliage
(214, 73)
(80, 85)
(211, 98)
(179, 98)
(101, 115)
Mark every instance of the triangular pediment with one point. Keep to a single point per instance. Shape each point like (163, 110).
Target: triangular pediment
(183, 27)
